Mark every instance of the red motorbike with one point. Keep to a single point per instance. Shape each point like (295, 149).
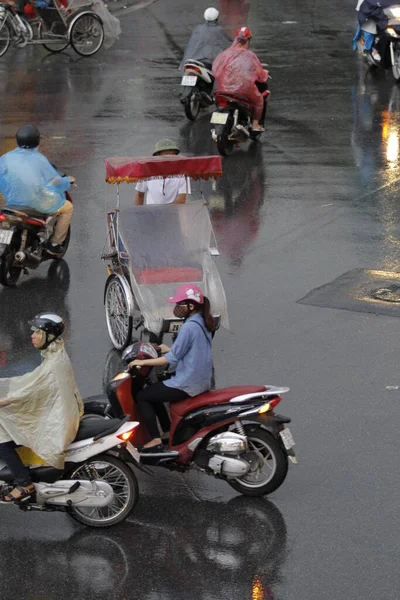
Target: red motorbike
(24, 236)
(233, 433)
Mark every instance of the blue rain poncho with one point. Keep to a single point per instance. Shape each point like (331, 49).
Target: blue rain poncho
(28, 179)
(206, 42)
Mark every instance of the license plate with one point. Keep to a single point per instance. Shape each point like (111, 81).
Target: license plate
(190, 80)
(5, 236)
(132, 451)
(219, 118)
(175, 326)
(287, 438)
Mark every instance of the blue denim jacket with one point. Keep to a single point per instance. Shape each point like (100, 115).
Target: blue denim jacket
(191, 354)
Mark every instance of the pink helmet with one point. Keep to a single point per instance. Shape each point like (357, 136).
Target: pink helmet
(187, 291)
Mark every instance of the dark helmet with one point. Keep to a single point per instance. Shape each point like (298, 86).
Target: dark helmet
(28, 136)
(52, 325)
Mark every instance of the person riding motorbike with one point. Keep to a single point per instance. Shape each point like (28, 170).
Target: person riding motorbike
(41, 409)
(207, 40)
(371, 20)
(237, 71)
(27, 178)
(171, 190)
(190, 353)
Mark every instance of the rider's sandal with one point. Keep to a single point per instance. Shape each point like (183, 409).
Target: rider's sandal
(24, 494)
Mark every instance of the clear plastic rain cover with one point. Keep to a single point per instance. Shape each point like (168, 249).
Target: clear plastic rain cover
(169, 245)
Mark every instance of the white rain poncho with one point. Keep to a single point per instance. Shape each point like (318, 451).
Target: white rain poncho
(45, 407)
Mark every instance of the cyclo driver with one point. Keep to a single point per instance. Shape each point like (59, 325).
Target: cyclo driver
(237, 71)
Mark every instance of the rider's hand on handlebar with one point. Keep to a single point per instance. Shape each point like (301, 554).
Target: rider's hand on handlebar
(164, 348)
(72, 179)
(136, 363)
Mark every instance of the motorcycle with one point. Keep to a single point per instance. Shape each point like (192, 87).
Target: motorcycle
(24, 237)
(385, 52)
(233, 434)
(96, 487)
(197, 83)
(232, 120)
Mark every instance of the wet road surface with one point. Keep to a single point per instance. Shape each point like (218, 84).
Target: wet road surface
(317, 199)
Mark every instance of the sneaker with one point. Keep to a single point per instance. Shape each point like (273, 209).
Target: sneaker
(55, 249)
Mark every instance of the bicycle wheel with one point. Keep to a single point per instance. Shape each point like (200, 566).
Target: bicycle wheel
(5, 36)
(119, 321)
(59, 43)
(87, 34)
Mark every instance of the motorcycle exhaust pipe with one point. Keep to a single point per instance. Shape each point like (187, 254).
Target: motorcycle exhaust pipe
(32, 260)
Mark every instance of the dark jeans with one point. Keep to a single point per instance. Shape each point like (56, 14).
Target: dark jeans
(151, 406)
(22, 475)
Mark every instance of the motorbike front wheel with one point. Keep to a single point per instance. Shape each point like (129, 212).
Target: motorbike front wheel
(396, 63)
(9, 274)
(192, 106)
(123, 482)
(267, 478)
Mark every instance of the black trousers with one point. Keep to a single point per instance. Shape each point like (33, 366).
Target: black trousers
(22, 475)
(151, 406)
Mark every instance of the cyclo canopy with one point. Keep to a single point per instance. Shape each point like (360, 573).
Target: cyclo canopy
(167, 245)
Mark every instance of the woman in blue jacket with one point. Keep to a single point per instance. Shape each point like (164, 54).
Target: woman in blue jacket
(190, 354)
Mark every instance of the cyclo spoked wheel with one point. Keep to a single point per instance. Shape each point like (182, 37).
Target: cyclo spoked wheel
(9, 274)
(119, 321)
(5, 37)
(125, 486)
(87, 34)
(58, 45)
(267, 478)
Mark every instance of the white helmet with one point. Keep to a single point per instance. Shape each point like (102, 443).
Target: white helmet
(211, 14)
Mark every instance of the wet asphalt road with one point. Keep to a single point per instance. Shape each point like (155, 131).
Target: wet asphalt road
(318, 198)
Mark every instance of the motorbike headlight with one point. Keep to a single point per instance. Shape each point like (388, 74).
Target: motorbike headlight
(395, 11)
(392, 32)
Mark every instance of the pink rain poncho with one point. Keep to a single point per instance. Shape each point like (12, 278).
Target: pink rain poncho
(236, 70)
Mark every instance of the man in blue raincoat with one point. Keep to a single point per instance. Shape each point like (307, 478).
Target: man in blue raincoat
(27, 178)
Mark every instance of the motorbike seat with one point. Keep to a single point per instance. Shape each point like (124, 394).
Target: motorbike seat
(233, 98)
(24, 211)
(92, 425)
(214, 397)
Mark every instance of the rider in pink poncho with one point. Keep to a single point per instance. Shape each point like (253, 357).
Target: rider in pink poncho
(237, 70)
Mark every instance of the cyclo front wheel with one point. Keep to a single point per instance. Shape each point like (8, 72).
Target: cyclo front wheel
(119, 321)
(87, 34)
(5, 36)
(59, 43)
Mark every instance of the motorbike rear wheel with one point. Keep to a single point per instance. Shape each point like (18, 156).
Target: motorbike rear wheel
(271, 476)
(192, 106)
(9, 274)
(225, 146)
(121, 478)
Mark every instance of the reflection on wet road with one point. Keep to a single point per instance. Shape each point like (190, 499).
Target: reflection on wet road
(316, 199)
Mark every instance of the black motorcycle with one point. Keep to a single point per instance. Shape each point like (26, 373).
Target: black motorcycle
(197, 83)
(24, 236)
(231, 121)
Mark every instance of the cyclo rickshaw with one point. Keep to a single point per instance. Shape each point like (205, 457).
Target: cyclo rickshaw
(56, 24)
(152, 249)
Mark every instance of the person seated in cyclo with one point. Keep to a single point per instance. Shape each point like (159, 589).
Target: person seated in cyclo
(27, 178)
(371, 20)
(40, 410)
(237, 71)
(171, 190)
(190, 353)
(207, 40)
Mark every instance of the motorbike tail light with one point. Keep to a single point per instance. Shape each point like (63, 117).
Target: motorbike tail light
(34, 222)
(126, 436)
(269, 405)
(221, 101)
(3, 217)
(192, 68)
